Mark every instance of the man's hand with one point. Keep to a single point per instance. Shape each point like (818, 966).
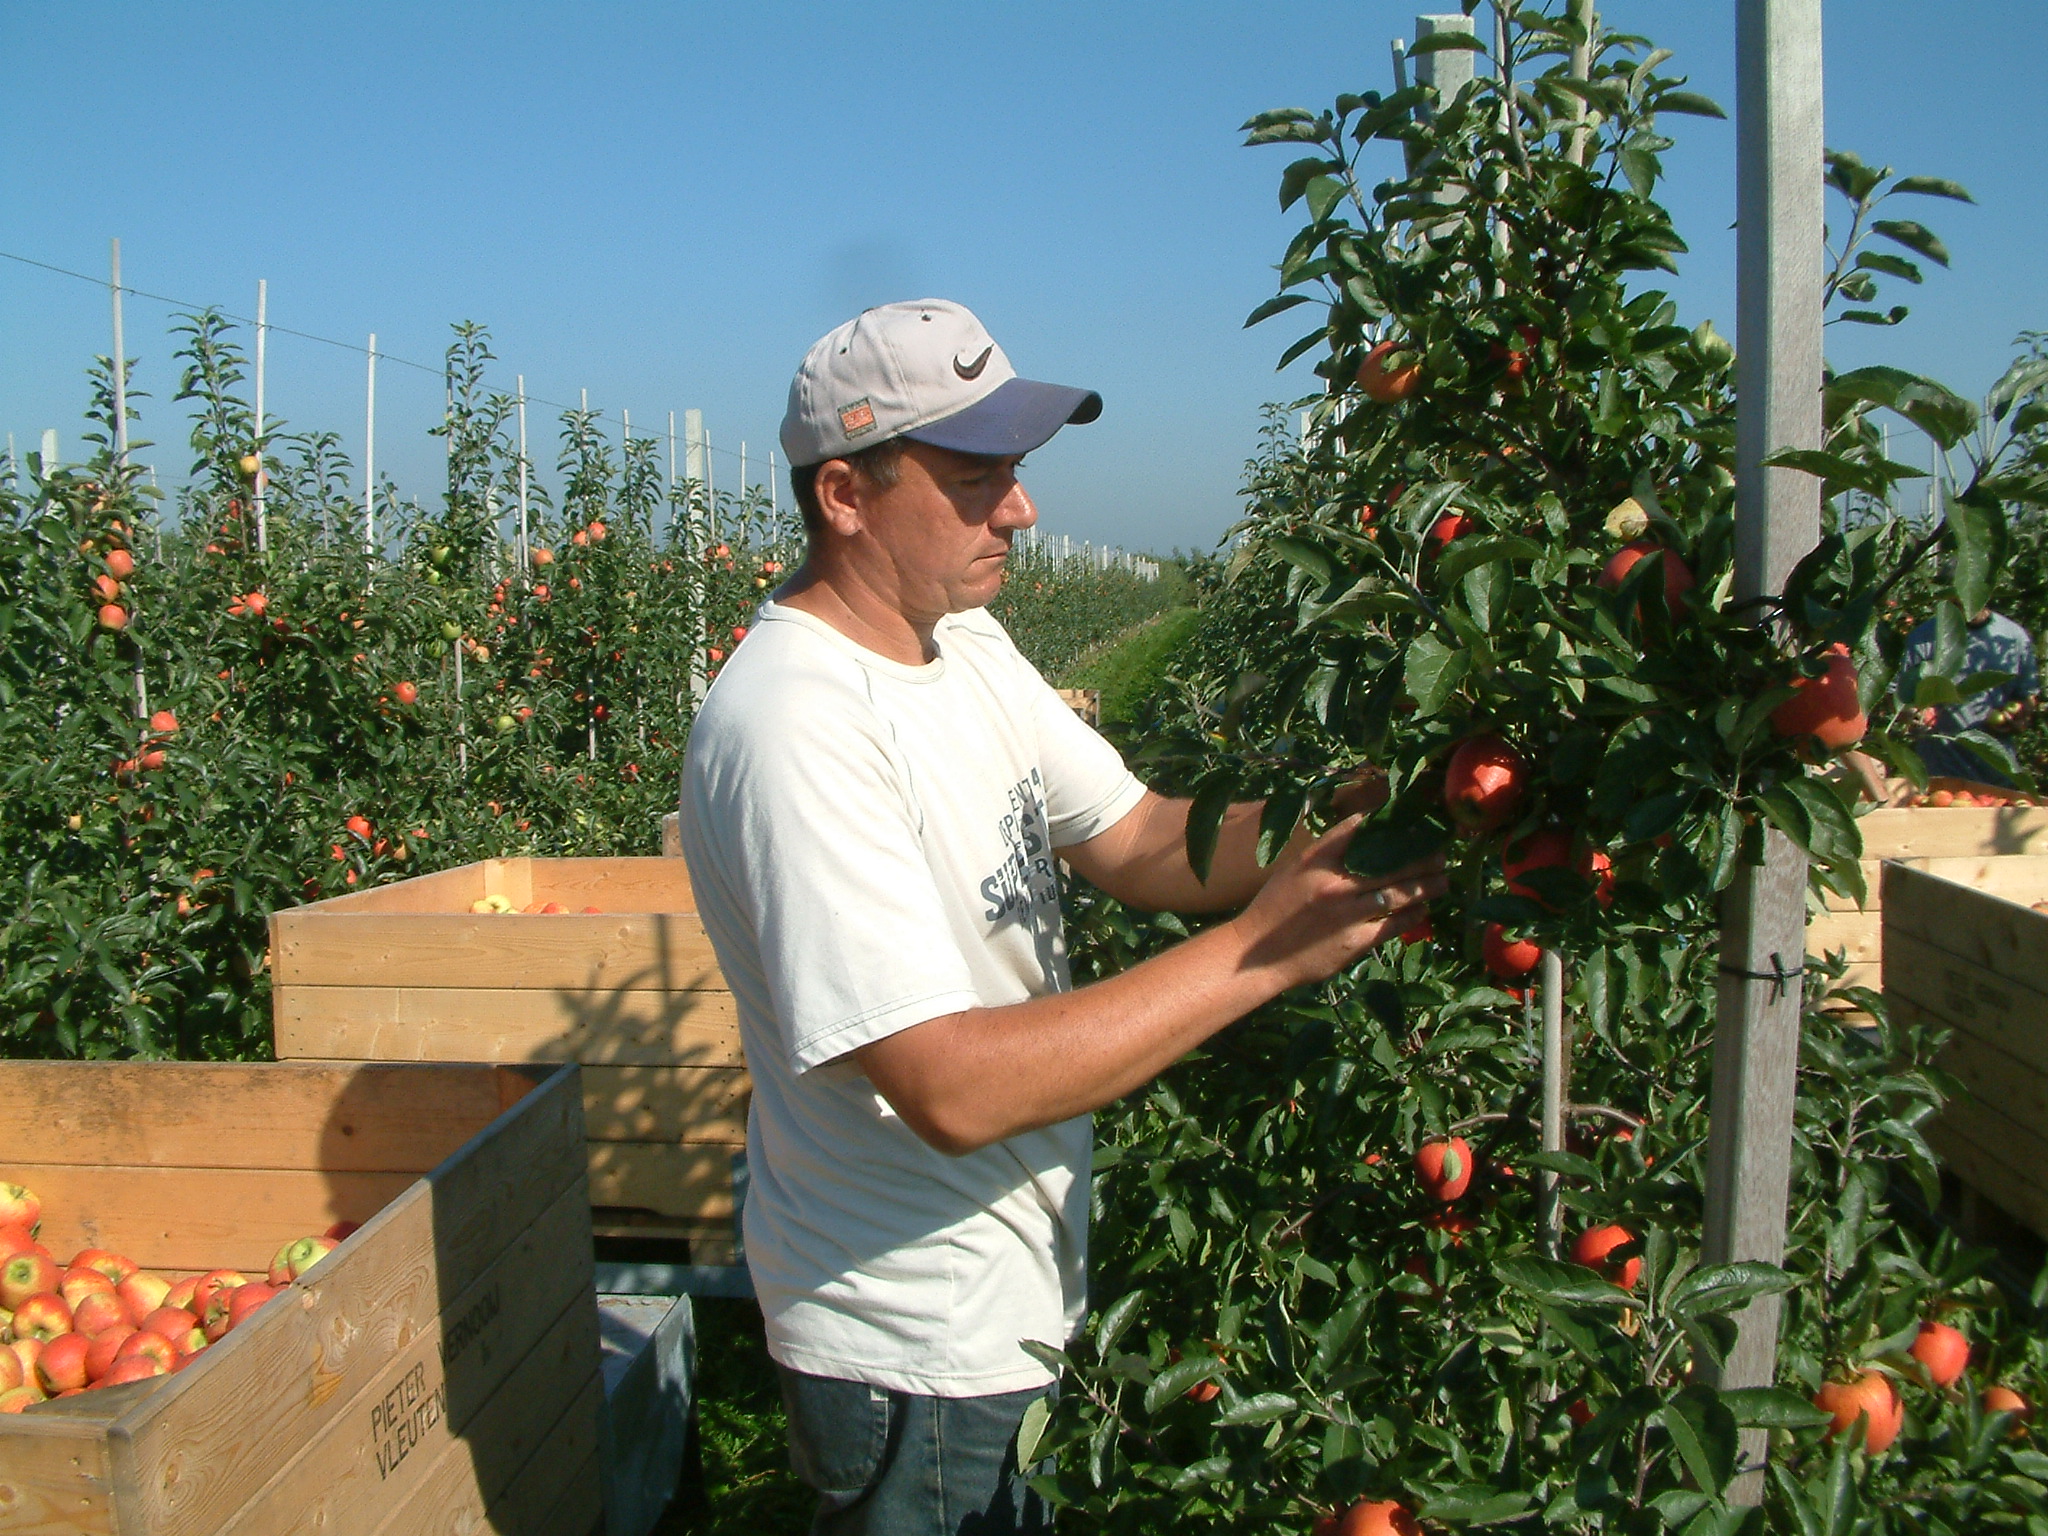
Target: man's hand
(968, 1079)
(1314, 917)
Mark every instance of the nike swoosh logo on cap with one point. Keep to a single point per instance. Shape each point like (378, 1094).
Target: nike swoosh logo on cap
(972, 371)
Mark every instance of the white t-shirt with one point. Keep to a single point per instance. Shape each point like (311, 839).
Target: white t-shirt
(871, 847)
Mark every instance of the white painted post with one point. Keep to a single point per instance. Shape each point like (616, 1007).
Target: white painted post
(525, 545)
(262, 479)
(711, 482)
(49, 450)
(119, 376)
(671, 452)
(743, 469)
(1780, 238)
(1450, 71)
(461, 731)
(370, 455)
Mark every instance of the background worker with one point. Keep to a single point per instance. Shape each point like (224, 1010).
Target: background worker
(875, 793)
(1991, 643)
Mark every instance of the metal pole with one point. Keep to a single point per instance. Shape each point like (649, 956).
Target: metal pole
(1763, 913)
(461, 733)
(370, 456)
(1552, 1001)
(262, 479)
(120, 375)
(525, 549)
(774, 493)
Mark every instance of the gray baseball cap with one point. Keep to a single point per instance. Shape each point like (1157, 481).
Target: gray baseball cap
(927, 370)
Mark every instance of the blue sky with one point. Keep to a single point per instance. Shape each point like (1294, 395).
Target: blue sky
(664, 204)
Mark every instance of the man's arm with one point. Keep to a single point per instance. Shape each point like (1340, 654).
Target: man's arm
(969, 1079)
(1143, 860)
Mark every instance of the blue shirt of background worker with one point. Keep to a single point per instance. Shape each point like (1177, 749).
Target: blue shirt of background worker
(1993, 643)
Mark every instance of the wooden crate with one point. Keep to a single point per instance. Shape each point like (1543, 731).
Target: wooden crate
(406, 972)
(1969, 833)
(437, 1373)
(1965, 949)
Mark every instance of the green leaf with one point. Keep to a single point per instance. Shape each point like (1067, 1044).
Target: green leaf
(1262, 1409)
(1205, 818)
(1468, 553)
(1688, 102)
(1975, 536)
(1939, 412)
(1715, 1288)
(1311, 559)
(1446, 42)
(1381, 847)
(1705, 1436)
(1477, 1505)
(1295, 179)
(1892, 266)
(1277, 305)
(1487, 589)
(1771, 1408)
(1031, 1432)
(1324, 193)
(1116, 1319)
(1914, 237)
(1932, 186)
(1561, 1285)
(1432, 672)
(1340, 1331)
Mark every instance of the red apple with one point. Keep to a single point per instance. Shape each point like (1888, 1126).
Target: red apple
(142, 1293)
(1444, 1166)
(25, 1351)
(135, 1368)
(77, 1284)
(19, 1206)
(61, 1365)
(25, 1275)
(15, 1238)
(1871, 1397)
(1678, 578)
(43, 1316)
(154, 1345)
(99, 1359)
(1508, 958)
(181, 1293)
(1483, 784)
(1942, 1351)
(98, 1311)
(1825, 707)
(1595, 1243)
(115, 1266)
(342, 1231)
(244, 1300)
(19, 1399)
(11, 1370)
(209, 1284)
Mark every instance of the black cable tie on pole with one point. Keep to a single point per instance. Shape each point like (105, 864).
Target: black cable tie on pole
(1777, 976)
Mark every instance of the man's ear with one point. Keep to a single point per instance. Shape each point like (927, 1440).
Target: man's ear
(838, 488)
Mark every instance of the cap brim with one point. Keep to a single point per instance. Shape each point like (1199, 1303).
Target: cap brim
(1014, 418)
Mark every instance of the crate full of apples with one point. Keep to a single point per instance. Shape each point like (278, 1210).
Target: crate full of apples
(103, 1320)
(246, 1297)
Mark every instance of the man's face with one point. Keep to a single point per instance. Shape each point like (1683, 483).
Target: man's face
(940, 536)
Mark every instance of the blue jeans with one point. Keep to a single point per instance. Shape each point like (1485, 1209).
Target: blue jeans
(896, 1464)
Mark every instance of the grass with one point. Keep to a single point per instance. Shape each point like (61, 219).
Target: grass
(742, 1485)
(1129, 668)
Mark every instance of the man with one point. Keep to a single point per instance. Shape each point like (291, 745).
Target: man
(874, 796)
(1991, 643)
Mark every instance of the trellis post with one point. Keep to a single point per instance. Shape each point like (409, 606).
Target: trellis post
(262, 478)
(1763, 913)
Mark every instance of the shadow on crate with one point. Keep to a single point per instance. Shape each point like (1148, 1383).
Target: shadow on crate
(503, 1404)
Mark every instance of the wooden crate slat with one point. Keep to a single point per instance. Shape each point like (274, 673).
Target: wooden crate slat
(1859, 934)
(1976, 926)
(556, 1493)
(579, 954)
(447, 890)
(1925, 832)
(1974, 1146)
(183, 1219)
(388, 1023)
(650, 884)
(55, 1479)
(534, 1339)
(171, 1115)
(693, 1180)
(666, 1104)
(294, 1368)
(1938, 987)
